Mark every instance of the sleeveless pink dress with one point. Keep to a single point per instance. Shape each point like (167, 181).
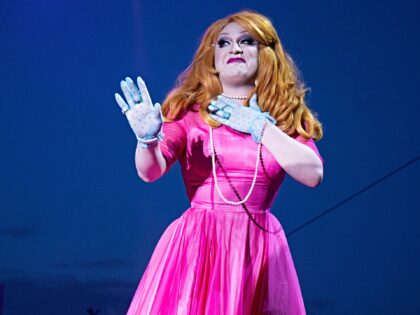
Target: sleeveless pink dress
(213, 259)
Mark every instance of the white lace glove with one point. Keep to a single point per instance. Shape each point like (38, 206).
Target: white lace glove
(144, 118)
(241, 118)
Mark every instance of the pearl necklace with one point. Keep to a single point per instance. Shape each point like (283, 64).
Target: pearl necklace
(213, 164)
(235, 97)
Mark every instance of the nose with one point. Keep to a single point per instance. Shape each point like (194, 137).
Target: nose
(236, 47)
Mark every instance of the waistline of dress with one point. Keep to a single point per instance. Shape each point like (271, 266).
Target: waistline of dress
(223, 207)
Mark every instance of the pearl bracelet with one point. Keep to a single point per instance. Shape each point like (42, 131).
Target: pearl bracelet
(148, 141)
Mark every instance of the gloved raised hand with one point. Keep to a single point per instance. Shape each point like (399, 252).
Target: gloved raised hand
(241, 118)
(144, 118)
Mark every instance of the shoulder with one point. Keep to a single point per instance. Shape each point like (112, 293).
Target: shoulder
(186, 118)
(191, 114)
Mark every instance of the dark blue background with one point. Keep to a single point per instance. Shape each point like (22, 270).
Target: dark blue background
(78, 226)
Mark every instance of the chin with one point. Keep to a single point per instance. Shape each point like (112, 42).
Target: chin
(237, 78)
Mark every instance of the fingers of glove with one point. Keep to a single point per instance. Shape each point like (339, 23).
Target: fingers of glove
(227, 105)
(127, 94)
(156, 112)
(215, 105)
(213, 109)
(219, 119)
(225, 102)
(134, 91)
(159, 107)
(144, 92)
(254, 104)
(124, 106)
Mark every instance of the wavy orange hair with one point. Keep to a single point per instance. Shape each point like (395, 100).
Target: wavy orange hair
(280, 90)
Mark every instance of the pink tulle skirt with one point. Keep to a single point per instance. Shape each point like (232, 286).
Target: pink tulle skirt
(220, 263)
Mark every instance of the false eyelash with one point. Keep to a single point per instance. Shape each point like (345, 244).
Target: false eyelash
(249, 39)
(221, 42)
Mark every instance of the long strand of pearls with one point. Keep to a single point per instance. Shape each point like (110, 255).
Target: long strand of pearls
(213, 164)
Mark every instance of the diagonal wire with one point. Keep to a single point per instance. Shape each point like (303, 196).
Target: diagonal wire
(354, 195)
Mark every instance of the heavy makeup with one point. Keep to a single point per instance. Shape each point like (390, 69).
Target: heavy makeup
(236, 60)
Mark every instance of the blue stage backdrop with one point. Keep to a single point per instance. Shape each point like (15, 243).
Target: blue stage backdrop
(78, 226)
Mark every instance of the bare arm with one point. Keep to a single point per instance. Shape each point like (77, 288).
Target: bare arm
(150, 163)
(298, 160)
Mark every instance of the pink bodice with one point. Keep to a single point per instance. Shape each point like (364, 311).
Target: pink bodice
(188, 140)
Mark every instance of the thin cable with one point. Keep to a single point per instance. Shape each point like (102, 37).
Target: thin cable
(376, 182)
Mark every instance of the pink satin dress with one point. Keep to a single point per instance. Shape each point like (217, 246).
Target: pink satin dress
(214, 259)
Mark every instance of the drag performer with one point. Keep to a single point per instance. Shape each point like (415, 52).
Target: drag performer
(237, 122)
